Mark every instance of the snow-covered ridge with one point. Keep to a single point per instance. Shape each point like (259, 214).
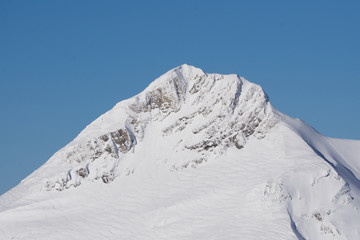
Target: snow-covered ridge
(206, 113)
(193, 156)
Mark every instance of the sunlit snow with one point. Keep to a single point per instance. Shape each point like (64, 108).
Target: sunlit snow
(194, 156)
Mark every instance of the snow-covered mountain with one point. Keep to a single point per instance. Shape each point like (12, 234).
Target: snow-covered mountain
(194, 156)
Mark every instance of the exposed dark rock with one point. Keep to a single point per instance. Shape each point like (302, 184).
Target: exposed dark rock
(318, 216)
(106, 177)
(158, 99)
(108, 149)
(105, 138)
(82, 172)
(121, 139)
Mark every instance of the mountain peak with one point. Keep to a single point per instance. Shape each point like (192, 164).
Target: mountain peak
(191, 146)
(191, 110)
(186, 68)
(182, 74)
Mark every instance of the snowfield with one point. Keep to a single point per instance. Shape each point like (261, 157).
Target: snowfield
(194, 156)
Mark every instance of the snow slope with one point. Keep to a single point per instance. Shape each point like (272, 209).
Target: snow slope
(194, 156)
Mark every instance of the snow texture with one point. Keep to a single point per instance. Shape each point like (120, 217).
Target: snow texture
(194, 156)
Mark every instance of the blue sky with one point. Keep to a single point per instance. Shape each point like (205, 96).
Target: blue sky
(63, 63)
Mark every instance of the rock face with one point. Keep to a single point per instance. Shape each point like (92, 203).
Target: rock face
(194, 156)
(207, 113)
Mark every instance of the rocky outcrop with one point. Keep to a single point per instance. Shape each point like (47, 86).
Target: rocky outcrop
(207, 113)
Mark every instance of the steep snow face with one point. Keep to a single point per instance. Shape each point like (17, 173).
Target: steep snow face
(194, 156)
(186, 110)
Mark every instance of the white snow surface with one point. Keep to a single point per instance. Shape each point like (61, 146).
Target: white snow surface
(194, 156)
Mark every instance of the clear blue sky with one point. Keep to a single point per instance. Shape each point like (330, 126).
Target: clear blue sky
(63, 63)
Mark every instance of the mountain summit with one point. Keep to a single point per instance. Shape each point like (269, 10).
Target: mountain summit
(193, 156)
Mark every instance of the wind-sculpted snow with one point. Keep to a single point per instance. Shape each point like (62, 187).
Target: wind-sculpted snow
(194, 156)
